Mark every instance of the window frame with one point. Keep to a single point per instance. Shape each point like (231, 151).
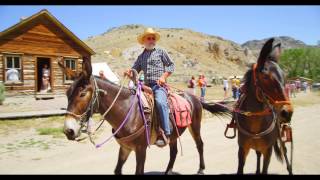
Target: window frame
(65, 80)
(5, 68)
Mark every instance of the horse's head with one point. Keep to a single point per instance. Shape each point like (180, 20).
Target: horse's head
(79, 99)
(269, 77)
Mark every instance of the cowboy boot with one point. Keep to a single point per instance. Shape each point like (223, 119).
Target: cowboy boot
(162, 139)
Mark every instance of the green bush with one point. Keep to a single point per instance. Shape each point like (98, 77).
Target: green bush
(302, 62)
(1, 93)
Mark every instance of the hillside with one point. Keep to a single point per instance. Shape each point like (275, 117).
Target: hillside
(192, 52)
(286, 43)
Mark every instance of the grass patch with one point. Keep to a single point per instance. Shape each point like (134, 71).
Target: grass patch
(23, 145)
(55, 132)
(11, 126)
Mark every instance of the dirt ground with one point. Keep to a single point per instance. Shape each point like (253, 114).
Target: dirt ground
(24, 151)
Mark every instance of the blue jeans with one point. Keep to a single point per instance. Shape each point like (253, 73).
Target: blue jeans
(160, 94)
(235, 93)
(203, 93)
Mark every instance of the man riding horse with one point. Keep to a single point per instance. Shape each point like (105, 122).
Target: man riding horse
(157, 67)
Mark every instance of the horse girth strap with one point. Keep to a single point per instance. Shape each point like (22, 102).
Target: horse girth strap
(266, 111)
(131, 137)
(257, 135)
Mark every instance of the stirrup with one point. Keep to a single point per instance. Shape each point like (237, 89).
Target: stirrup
(162, 138)
(230, 125)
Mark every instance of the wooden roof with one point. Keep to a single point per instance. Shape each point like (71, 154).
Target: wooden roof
(45, 13)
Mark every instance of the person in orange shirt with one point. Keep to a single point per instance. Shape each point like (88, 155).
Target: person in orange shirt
(202, 84)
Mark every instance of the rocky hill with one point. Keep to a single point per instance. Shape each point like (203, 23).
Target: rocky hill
(192, 52)
(286, 43)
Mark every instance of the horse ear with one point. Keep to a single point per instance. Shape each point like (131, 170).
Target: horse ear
(67, 71)
(276, 52)
(265, 52)
(86, 67)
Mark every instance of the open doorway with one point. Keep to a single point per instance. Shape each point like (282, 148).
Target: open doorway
(44, 82)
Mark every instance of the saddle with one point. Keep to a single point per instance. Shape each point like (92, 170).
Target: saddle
(179, 113)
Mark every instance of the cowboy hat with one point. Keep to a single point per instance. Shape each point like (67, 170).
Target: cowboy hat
(147, 32)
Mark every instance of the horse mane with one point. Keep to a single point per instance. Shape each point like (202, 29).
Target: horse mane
(248, 77)
(125, 89)
(105, 80)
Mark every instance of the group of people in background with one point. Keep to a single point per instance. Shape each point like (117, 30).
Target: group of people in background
(201, 83)
(235, 87)
(293, 87)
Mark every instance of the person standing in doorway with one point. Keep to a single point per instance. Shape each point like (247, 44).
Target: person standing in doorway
(45, 86)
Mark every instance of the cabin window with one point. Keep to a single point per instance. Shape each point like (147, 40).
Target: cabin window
(13, 69)
(71, 64)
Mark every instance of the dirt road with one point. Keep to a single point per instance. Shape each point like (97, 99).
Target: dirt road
(24, 151)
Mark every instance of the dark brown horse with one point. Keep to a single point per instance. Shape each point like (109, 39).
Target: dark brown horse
(267, 106)
(81, 105)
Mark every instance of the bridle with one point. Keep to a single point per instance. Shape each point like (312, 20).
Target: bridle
(265, 97)
(84, 117)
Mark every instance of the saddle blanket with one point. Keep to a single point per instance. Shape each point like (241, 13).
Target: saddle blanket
(181, 110)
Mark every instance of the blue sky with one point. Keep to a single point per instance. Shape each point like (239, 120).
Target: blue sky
(236, 23)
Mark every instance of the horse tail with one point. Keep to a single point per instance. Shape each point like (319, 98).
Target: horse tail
(277, 151)
(218, 109)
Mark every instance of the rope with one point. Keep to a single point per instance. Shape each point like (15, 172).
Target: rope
(111, 105)
(121, 125)
(142, 113)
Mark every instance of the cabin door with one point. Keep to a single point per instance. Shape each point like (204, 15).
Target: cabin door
(43, 75)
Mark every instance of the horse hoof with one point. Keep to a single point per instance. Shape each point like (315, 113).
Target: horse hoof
(200, 172)
(169, 173)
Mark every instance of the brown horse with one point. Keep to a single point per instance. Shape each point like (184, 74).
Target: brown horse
(266, 106)
(84, 99)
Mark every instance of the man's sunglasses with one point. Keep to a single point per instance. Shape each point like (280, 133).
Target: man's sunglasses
(151, 38)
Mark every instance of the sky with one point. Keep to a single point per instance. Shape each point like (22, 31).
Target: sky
(236, 23)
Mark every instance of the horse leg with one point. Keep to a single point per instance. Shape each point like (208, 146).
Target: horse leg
(258, 162)
(140, 159)
(242, 155)
(195, 132)
(173, 155)
(123, 156)
(266, 160)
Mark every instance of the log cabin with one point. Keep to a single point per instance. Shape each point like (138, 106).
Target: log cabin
(33, 43)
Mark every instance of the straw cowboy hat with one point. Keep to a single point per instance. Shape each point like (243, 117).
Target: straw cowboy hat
(147, 32)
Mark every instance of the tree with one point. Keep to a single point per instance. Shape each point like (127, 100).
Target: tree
(301, 62)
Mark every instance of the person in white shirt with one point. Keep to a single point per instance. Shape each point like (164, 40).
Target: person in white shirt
(225, 87)
(12, 75)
